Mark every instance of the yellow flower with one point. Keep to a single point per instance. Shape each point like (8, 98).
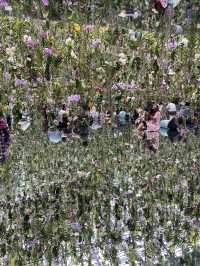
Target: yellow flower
(103, 29)
(76, 27)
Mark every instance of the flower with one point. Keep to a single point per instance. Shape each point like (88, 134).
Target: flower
(45, 2)
(88, 28)
(103, 29)
(134, 14)
(171, 44)
(69, 42)
(48, 52)
(20, 82)
(183, 42)
(132, 35)
(123, 86)
(178, 29)
(76, 27)
(76, 226)
(95, 43)
(74, 98)
(123, 59)
(3, 4)
(28, 41)
(11, 51)
(6, 76)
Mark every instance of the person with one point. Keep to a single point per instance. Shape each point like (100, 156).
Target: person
(176, 129)
(153, 128)
(171, 110)
(4, 138)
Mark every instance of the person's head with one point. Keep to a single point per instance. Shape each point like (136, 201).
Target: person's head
(148, 107)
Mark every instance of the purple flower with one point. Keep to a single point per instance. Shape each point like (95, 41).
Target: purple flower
(76, 226)
(198, 82)
(95, 43)
(45, 2)
(74, 98)
(171, 44)
(3, 4)
(20, 82)
(7, 76)
(28, 41)
(123, 86)
(48, 52)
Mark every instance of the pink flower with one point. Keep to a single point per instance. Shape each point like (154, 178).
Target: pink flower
(48, 52)
(88, 28)
(45, 2)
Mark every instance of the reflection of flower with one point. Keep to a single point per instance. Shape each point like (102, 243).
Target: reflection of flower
(48, 52)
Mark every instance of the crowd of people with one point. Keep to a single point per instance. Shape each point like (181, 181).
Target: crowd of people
(173, 120)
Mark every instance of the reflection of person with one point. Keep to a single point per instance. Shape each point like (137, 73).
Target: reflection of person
(4, 138)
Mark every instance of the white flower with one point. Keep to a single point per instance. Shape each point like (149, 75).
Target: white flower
(171, 72)
(11, 51)
(122, 14)
(122, 59)
(183, 42)
(69, 42)
(132, 35)
(73, 55)
(197, 56)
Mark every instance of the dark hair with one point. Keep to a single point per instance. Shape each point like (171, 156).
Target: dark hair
(180, 120)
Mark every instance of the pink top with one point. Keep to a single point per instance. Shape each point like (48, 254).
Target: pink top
(154, 123)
